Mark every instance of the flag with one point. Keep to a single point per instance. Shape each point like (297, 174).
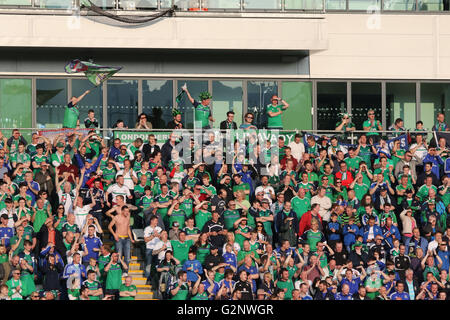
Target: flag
(179, 97)
(94, 73)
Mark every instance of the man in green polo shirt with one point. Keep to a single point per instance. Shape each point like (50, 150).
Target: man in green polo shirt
(114, 271)
(274, 112)
(180, 290)
(95, 288)
(285, 283)
(181, 247)
(176, 214)
(300, 203)
(128, 290)
(230, 215)
(240, 185)
(202, 113)
(372, 126)
(72, 112)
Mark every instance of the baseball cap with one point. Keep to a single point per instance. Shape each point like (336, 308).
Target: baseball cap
(60, 145)
(175, 224)
(383, 188)
(88, 160)
(214, 248)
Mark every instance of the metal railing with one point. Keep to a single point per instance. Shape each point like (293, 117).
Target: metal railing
(285, 6)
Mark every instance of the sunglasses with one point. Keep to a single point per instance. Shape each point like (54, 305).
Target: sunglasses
(249, 117)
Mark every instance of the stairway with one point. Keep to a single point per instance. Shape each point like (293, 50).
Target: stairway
(136, 271)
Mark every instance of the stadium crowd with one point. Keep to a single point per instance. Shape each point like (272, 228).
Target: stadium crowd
(325, 222)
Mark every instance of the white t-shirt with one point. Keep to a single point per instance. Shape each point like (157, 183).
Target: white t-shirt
(116, 190)
(81, 215)
(421, 152)
(266, 191)
(297, 149)
(127, 178)
(10, 214)
(148, 231)
(159, 245)
(324, 205)
(67, 200)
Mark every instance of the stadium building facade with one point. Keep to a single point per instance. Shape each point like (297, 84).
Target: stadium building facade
(322, 56)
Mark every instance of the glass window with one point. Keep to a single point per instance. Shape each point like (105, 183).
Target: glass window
(227, 96)
(399, 5)
(331, 100)
(51, 101)
(401, 103)
(55, 4)
(92, 101)
(432, 5)
(15, 3)
(434, 99)
(105, 4)
(122, 102)
(222, 4)
(195, 87)
(365, 96)
(181, 4)
(262, 4)
(364, 5)
(303, 4)
(158, 101)
(259, 94)
(138, 4)
(15, 106)
(336, 4)
(299, 97)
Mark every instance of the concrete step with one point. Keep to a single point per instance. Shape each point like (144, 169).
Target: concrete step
(143, 287)
(134, 266)
(137, 272)
(138, 280)
(144, 295)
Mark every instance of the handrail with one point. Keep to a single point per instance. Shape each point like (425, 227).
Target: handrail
(202, 6)
(317, 132)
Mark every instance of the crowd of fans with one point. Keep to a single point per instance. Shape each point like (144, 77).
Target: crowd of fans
(324, 222)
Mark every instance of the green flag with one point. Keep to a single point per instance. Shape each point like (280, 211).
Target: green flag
(94, 73)
(179, 97)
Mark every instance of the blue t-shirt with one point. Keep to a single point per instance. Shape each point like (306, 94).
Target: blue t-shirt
(353, 285)
(214, 290)
(196, 265)
(403, 296)
(341, 296)
(231, 259)
(92, 243)
(6, 233)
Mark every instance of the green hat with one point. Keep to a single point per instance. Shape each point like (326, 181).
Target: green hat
(357, 244)
(205, 95)
(175, 112)
(60, 145)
